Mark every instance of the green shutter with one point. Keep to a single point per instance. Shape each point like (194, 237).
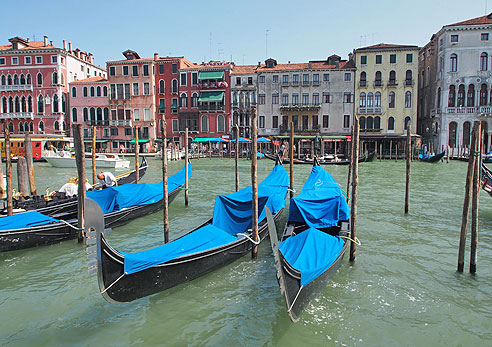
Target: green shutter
(175, 104)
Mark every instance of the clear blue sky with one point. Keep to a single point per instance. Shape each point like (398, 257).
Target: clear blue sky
(298, 31)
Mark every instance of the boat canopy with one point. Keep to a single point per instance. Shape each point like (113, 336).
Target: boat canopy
(25, 220)
(321, 203)
(311, 252)
(232, 216)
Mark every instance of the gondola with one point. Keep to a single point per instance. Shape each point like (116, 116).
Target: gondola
(362, 159)
(431, 158)
(60, 204)
(120, 204)
(486, 179)
(124, 277)
(313, 243)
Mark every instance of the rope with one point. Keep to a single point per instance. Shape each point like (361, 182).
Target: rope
(293, 302)
(249, 238)
(70, 225)
(344, 194)
(357, 241)
(291, 190)
(107, 288)
(183, 188)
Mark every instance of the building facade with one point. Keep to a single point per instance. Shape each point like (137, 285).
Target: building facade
(456, 77)
(386, 94)
(243, 96)
(34, 78)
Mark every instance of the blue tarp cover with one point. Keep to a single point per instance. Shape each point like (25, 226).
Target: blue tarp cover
(424, 156)
(25, 220)
(232, 215)
(321, 203)
(311, 252)
(131, 194)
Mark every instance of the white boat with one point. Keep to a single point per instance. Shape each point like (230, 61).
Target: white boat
(103, 160)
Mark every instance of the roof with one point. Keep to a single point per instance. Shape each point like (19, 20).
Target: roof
(315, 65)
(487, 19)
(243, 69)
(29, 45)
(386, 47)
(90, 80)
(215, 66)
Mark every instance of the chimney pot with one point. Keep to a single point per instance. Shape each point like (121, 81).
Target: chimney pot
(156, 56)
(51, 43)
(64, 45)
(70, 46)
(46, 41)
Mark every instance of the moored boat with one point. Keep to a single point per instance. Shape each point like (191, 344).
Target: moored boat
(324, 161)
(486, 179)
(103, 160)
(431, 158)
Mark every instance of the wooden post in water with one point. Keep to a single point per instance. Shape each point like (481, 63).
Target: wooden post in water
(8, 169)
(351, 164)
(355, 183)
(380, 151)
(80, 160)
(407, 181)
(236, 158)
(22, 181)
(2, 184)
(165, 209)
(396, 154)
(137, 149)
(475, 200)
(466, 202)
(291, 159)
(186, 166)
(254, 185)
(94, 174)
(391, 148)
(30, 164)
(210, 150)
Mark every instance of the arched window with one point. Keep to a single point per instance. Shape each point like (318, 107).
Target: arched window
(16, 80)
(23, 104)
(484, 61)
(40, 104)
(220, 124)
(28, 79)
(26, 126)
(204, 124)
(64, 126)
(4, 104)
(175, 86)
(377, 123)
(62, 78)
(105, 91)
(9, 80)
(370, 123)
(3, 80)
(461, 96)
(161, 87)
(29, 104)
(362, 100)
(452, 134)
(17, 104)
(31, 127)
(466, 133)
(362, 122)
(363, 79)
(11, 105)
(370, 100)
(99, 114)
(408, 78)
(483, 95)
(56, 126)
(93, 91)
(194, 100)
(106, 115)
(407, 123)
(22, 80)
(391, 123)
(55, 104)
(93, 114)
(470, 97)
(183, 100)
(74, 115)
(98, 91)
(392, 77)
(55, 78)
(11, 127)
(391, 99)
(408, 99)
(41, 126)
(438, 97)
(21, 127)
(377, 99)
(85, 114)
(74, 92)
(64, 103)
(452, 96)
(378, 79)
(453, 62)
(39, 79)
(84, 92)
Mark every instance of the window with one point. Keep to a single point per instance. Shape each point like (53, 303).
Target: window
(275, 98)
(146, 90)
(162, 105)
(315, 78)
(2, 61)
(174, 86)
(305, 78)
(326, 121)
(250, 81)
(54, 59)
(74, 92)
(408, 99)
(175, 125)
(15, 61)
(326, 77)
(39, 60)
(74, 115)
(125, 70)
(261, 79)
(105, 91)
(194, 78)
(93, 92)
(27, 60)
(346, 121)
(348, 76)
(392, 58)
(127, 91)
(220, 124)
(194, 100)
(391, 100)
(391, 124)
(261, 99)
(409, 58)
(238, 81)
(407, 123)
(136, 114)
(315, 99)
(183, 79)
(98, 91)
(363, 59)
(128, 131)
(347, 97)
(295, 79)
(174, 68)
(134, 70)
(40, 104)
(147, 115)
(39, 79)
(454, 38)
(285, 99)
(285, 79)
(377, 123)
(379, 59)
(484, 36)
(204, 124)
(183, 100)
(112, 71)
(470, 99)
(484, 58)
(453, 61)
(261, 122)
(326, 98)
(295, 99)
(145, 71)
(161, 69)
(305, 99)
(377, 99)
(119, 91)
(275, 79)
(84, 92)
(451, 96)
(135, 89)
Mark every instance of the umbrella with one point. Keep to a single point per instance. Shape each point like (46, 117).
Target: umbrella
(263, 140)
(242, 139)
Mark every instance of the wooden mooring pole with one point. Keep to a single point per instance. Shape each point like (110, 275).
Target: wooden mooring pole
(466, 201)
(137, 149)
(165, 209)
(407, 181)
(80, 160)
(186, 166)
(8, 169)
(254, 184)
(349, 175)
(355, 183)
(291, 159)
(30, 164)
(2, 184)
(94, 174)
(236, 158)
(475, 200)
(22, 181)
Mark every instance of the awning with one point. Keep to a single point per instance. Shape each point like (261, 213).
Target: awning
(209, 139)
(210, 75)
(242, 140)
(211, 96)
(263, 140)
(97, 141)
(160, 140)
(140, 141)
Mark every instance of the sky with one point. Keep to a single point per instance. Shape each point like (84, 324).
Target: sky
(245, 32)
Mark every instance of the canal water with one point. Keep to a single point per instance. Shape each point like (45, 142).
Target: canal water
(402, 289)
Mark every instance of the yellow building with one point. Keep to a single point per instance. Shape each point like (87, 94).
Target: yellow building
(386, 95)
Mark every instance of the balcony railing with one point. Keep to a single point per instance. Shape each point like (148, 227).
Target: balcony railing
(469, 110)
(285, 83)
(16, 115)
(378, 83)
(212, 108)
(362, 84)
(369, 110)
(409, 82)
(120, 122)
(315, 83)
(99, 122)
(292, 107)
(212, 85)
(295, 83)
(392, 83)
(8, 88)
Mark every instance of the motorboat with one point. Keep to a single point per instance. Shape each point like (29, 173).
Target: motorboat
(103, 160)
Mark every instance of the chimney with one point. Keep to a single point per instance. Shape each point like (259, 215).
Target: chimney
(91, 58)
(46, 41)
(156, 56)
(350, 55)
(70, 46)
(259, 63)
(64, 45)
(51, 43)
(310, 65)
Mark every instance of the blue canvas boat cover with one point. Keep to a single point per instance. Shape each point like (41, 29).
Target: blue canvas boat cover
(131, 194)
(232, 215)
(321, 203)
(25, 220)
(311, 252)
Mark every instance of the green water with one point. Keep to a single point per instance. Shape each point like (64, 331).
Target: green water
(401, 291)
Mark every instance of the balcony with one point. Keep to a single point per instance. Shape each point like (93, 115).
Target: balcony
(285, 83)
(362, 84)
(17, 115)
(99, 122)
(212, 85)
(291, 107)
(392, 83)
(369, 110)
(378, 83)
(120, 123)
(305, 83)
(210, 107)
(408, 82)
(295, 83)
(17, 87)
(315, 83)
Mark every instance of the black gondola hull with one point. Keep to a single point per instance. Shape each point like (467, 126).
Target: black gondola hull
(433, 158)
(321, 162)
